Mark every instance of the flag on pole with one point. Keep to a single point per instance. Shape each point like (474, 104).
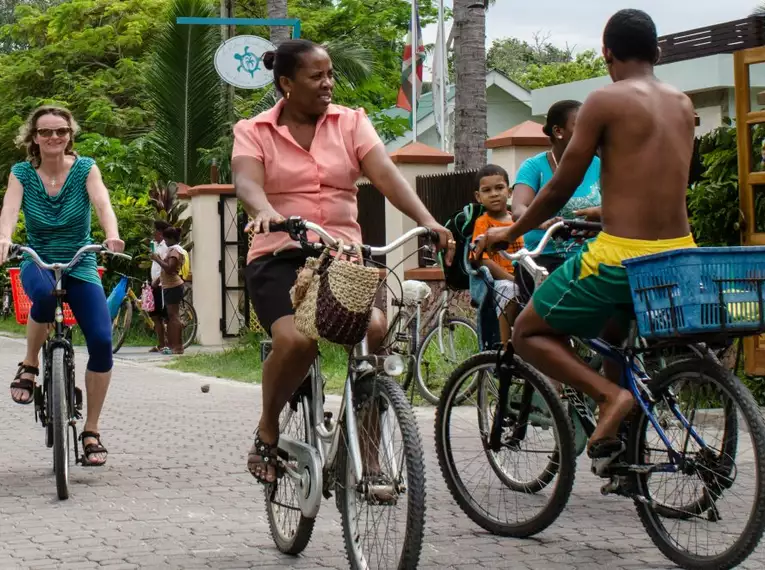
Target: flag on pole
(411, 82)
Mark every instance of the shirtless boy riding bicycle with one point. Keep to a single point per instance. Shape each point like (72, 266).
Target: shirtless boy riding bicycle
(644, 130)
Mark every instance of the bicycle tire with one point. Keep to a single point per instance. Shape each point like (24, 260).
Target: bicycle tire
(755, 527)
(296, 543)
(565, 450)
(60, 421)
(431, 334)
(118, 341)
(189, 331)
(415, 476)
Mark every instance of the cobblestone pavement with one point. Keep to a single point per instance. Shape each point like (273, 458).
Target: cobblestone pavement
(176, 494)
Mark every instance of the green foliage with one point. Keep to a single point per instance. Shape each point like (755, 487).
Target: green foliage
(713, 203)
(542, 64)
(585, 65)
(122, 164)
(184, 93)
(89, 55)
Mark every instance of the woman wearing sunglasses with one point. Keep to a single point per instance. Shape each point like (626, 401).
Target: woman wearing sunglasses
(55, 189)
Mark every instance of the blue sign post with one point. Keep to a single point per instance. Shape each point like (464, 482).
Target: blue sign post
(294, 23)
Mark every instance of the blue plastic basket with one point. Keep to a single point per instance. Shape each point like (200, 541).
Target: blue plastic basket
(699, 291)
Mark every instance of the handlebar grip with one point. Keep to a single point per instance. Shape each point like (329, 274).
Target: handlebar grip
(433, 236)
(278, 226)
(581, 225)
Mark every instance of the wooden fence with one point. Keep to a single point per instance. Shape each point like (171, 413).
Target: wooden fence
(711, 40)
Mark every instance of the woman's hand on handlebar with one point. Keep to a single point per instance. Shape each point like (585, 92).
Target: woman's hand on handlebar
(115, 245)
(262, 222)
(5, 249)
(549, 223)
(445, 239)
(589, 214)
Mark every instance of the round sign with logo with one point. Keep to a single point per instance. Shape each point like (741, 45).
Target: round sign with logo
(239, 62)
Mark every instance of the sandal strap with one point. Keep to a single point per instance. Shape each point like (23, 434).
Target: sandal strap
(23, 384)
(92, 434)
(27, 369)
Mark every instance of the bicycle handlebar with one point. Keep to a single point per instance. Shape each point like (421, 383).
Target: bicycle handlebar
(569, 225)
(95, 248)
(297, 228)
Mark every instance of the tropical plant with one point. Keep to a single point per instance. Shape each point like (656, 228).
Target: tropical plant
(184, 93)
(164, 199)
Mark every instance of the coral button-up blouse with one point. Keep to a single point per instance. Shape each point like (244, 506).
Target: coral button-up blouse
(318, 185)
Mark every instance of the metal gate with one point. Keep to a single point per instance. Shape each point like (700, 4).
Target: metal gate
(235, 301)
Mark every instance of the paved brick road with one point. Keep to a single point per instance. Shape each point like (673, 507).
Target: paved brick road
(176, 494)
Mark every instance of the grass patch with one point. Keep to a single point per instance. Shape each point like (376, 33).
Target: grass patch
(242, 362)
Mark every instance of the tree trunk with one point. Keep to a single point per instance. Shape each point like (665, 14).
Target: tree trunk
(278, 9)
(470, 104)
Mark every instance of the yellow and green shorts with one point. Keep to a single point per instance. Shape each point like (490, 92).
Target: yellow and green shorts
(591, 288)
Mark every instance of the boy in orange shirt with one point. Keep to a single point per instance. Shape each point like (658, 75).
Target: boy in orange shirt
(493, 194)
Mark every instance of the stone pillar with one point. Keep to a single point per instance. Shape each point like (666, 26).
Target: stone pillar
(413, 160)
(206, 258)
(512, 147)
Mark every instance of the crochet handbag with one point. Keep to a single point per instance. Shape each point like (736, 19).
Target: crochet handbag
(333, 297)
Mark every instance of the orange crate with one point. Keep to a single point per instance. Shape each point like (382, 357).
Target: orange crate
(22, 304)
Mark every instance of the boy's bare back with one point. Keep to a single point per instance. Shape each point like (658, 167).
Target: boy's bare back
(646, 149)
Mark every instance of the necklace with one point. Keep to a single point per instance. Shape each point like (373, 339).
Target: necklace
(555, 160)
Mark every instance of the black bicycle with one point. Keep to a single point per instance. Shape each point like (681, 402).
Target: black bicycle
(58, 401)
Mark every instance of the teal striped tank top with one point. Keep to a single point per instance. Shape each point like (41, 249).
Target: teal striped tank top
(57, 226)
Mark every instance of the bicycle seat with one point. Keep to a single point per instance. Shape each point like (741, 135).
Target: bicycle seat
(415, 291)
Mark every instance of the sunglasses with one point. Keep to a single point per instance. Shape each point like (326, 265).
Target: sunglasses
(47, 133)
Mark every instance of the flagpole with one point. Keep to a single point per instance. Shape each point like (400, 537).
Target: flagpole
(414, 70)
(441, 72)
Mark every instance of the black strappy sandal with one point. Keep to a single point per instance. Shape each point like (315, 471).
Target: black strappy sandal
(20, 383)
(91, 449)
(268, 454)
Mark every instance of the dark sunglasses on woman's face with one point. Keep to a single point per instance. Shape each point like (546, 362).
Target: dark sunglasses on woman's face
(60, 132)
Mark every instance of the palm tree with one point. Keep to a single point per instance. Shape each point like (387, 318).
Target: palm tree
(185, 94)
(278, 9)
(470, 102)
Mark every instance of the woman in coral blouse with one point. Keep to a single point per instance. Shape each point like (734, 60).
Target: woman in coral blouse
(302, 158)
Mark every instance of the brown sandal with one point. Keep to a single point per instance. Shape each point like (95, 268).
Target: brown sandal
(91, 449)
(27, 384)
(267, 455)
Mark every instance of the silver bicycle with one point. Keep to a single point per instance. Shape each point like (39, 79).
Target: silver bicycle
(371, 456)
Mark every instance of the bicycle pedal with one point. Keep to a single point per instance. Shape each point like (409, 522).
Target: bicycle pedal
(601, 465)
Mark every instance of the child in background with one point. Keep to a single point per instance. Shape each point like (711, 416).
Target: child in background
(172, 288)
(493, 194)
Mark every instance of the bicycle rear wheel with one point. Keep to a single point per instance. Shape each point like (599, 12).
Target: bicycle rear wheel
(121, 324)
(188, 317)
(393, 480)
(290, 530)
(713, 473)
(60, 421)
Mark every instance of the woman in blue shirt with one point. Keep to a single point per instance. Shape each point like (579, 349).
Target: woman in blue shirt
(534, 173)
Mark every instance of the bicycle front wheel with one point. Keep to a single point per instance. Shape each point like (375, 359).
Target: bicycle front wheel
(442, 350)
(383, 514)
(121, 324)
(60, 421)
(697, 514)
(519, 488)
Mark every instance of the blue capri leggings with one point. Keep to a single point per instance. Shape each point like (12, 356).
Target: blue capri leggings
(88, 303)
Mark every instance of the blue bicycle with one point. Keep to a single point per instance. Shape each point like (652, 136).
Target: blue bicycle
(691, 451)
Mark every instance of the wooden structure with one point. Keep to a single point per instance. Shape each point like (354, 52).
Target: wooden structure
(727, 37)
(750, 179)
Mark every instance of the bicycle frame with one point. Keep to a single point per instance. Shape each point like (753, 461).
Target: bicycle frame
(634, 380)
(321, 451)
